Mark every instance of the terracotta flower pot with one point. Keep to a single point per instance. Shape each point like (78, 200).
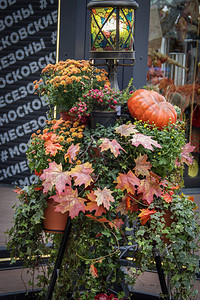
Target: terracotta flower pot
(54, 222)
(66, 116)
(168, 222)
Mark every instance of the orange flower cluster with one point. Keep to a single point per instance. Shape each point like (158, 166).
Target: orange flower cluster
(66, 81)
(56, 137)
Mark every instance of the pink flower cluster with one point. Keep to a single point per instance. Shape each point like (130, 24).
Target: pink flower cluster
(104, 296)
(101, 99)
(80, 110)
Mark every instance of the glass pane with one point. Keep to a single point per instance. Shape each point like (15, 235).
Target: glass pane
(174, 65)
(103, 29)
(126, 27)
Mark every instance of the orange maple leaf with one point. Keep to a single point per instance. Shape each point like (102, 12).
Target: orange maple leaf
(55, 176)
(142, 165)
(81, 174)
(149, 187)
(69, 201)
(91, 205)
(113, 145)
(104, 197)
(18, 190)
(127, 182)
(118, 222)
(167, 198)
(145, 215)
(126, 130)
(103, 220)
(72, 151)
(93, 271)
(57, 124)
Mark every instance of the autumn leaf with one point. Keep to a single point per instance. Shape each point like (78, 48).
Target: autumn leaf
(145, 215)
(54, 176)
(69, 201)
(50, 143)
(72, 152)
(118, 222)
(103, 220)
(142, 165)
(18, 190)
(93, 271)
(186, 156)
(57, 124)
(126, 130)
(122, 208)
(81, 174)
(131, 203)
(149, 187)
(104, 197)
(113, 145)
(167, 197)
(52, 148)
(127, 182)
(145, 141)
(92, 205)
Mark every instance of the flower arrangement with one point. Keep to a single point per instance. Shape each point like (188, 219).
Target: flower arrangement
(104, 99)
(63, 83)
(103, 178)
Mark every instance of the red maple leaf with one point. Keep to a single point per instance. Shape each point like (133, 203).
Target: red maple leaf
(145, 141)
(131, 203)
(126, 130)
(113, 145)
(81, 174)
(72, 152)
(104, 197)
(127, 182)
(145, 215)
(69, 201)
(149, 187)
(142, 165)
(92, 204)
(54, 176)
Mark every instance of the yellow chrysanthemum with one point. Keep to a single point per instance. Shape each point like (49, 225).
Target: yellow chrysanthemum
(74, 134)
(79, 135)
(69, 140)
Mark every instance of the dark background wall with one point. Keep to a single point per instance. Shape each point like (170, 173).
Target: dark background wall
(27, 45)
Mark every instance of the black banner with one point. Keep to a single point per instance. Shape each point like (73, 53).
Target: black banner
(27, 44)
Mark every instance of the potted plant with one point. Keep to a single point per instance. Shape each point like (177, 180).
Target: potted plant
(110, 180)
(100, 104)
(63, 83)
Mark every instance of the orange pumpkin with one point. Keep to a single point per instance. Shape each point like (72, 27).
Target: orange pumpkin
(150, 106)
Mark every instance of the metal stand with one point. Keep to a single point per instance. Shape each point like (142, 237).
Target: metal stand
(58, 260)
(161, 273)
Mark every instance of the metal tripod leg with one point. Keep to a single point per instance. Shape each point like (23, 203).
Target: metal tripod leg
(160, 273)
(58, 260)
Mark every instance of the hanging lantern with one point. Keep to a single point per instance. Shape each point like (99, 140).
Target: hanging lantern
(112, 29)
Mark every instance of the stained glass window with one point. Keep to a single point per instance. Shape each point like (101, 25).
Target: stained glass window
(106, 34)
